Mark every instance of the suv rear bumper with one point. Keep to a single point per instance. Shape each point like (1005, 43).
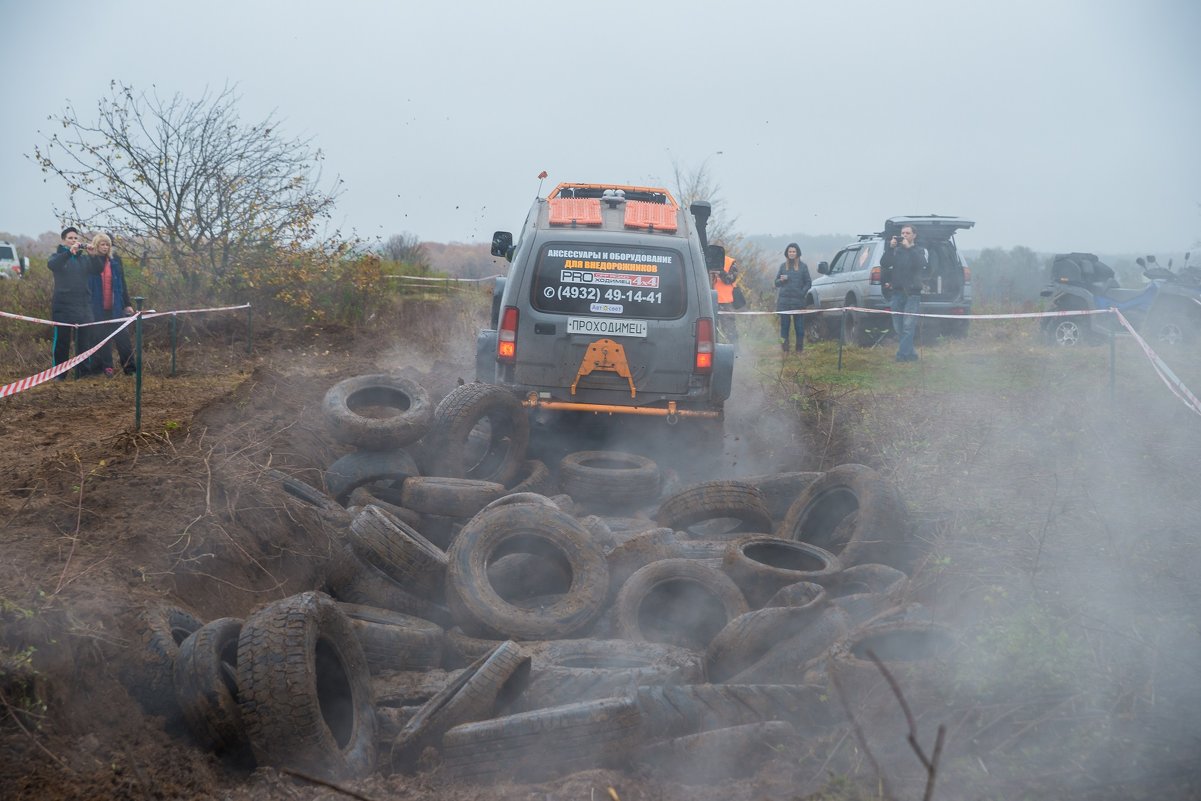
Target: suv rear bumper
(705, 399)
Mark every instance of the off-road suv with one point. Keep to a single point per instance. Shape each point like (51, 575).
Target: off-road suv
(10, 265)
(607, 308)
(854, 278)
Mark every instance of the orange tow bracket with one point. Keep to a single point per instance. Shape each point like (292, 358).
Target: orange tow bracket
(607, 355)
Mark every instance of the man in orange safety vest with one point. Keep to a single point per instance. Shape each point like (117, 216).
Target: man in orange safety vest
(725, 283)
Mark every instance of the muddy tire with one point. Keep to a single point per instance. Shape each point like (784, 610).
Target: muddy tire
(716, 510)
(684, 710)
(762, 565)
(678, 602)
(790, 660)
(556, 686)
(880, 531)
(747, 638)
(162, 628)
(545, 743)
(355, 581)
(502, 428)
(449, 497)
(345, 400)
(399, 551)
(524, 528)
(609, 479)
(206, 684)
(393, 640)
(732, 752)
(304, 492)
(491, 681)
(522, 576)
(362, 468)
(534, 476)
(463, 649)
(304, 689)
(637, 552)
(779, 490)
(915, 653)
(374, 496)
(864, 591)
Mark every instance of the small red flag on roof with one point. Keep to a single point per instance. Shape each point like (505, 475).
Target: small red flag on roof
(542, 175)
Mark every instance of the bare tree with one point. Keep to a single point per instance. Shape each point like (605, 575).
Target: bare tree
(188, 178)
(699, 184)
(407, 249)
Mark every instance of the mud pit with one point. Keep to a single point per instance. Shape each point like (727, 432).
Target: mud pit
(97, 524)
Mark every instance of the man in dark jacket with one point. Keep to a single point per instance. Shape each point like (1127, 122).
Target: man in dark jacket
(793, 282)
(906, 264)
(72, 299)
(110, 301)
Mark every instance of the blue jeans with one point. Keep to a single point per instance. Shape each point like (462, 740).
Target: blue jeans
(905, 326)
(797, 322)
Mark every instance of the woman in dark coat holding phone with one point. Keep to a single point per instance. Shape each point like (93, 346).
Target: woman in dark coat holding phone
(792, 282)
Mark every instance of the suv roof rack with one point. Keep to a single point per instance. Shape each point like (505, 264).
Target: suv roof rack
(644, 194)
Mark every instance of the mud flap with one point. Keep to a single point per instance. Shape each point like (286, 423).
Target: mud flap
(485, 355)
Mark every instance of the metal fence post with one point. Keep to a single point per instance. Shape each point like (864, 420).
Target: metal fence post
(842, 335)
(1113, 357)
(173, 324)
(137, 387)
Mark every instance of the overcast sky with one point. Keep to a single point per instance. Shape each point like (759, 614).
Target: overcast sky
(1068, 125)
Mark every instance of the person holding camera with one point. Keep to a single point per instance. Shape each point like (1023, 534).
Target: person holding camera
(72, 298)
(110, 301)
(905, 263)
(792, 282)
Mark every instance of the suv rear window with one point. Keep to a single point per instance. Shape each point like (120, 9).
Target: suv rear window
(6, 253)
(646, 283)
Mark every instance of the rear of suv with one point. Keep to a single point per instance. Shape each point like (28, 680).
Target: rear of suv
(10, 265)
(855, 278)
(607, 308)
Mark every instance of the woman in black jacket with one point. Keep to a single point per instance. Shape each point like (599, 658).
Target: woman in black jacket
(793, 282)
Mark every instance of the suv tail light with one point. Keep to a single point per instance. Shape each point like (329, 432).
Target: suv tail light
(704, 345)
(506, 338)
(875, 275)
(967, 275)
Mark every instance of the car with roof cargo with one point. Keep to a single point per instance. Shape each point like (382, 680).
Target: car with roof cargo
(854, 278)
(607, 308)
(11, 266)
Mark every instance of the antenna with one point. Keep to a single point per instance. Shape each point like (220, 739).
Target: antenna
(541, 178)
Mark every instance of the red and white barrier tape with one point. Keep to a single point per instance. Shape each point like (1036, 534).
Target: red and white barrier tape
(1162, 370)
(146, 315)
(444, 280)
(837, 309)
(58, 369)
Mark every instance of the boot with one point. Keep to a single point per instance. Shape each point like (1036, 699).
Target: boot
(784, 346)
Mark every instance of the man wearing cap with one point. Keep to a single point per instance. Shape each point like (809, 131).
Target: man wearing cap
(72, 299)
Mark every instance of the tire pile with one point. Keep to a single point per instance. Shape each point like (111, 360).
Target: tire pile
(493, 620)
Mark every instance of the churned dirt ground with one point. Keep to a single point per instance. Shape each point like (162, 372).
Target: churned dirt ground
(1061, 529)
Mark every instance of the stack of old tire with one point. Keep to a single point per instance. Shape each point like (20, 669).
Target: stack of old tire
(479, 625)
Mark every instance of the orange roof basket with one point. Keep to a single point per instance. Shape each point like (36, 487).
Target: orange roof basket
(648, 194)
(646, 207)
